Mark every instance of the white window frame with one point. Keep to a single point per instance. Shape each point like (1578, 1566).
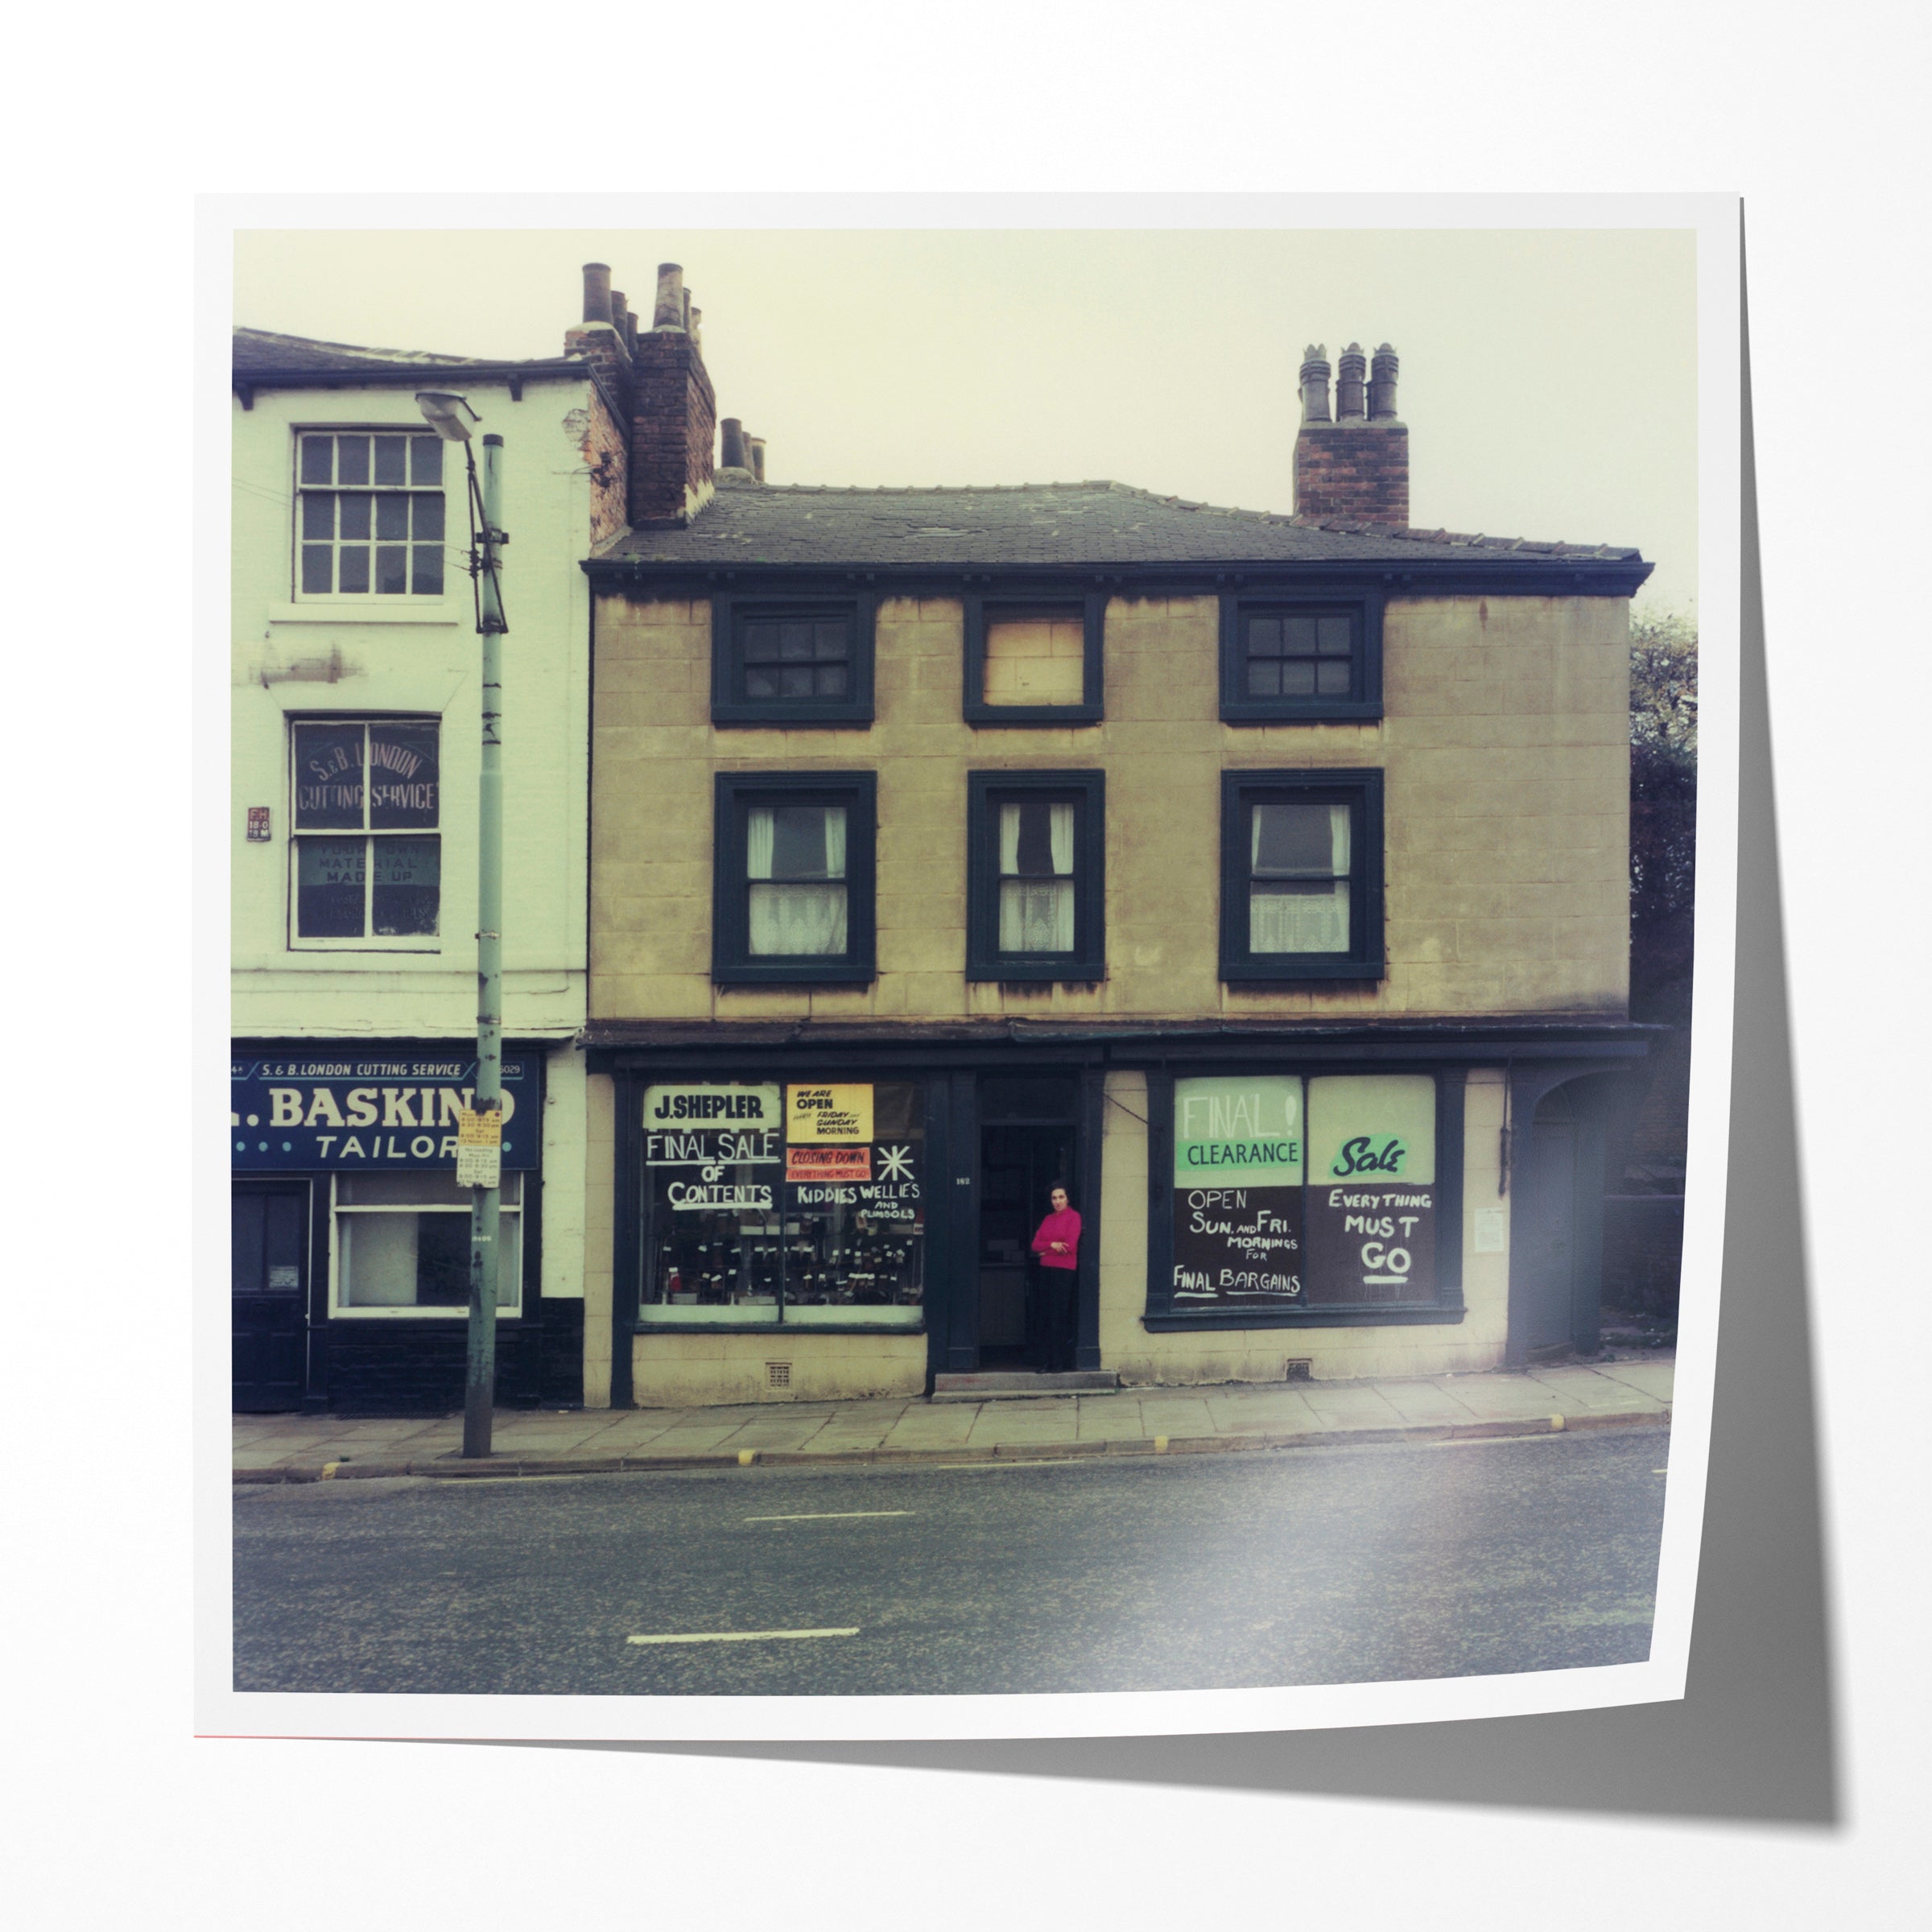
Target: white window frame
(367, 940)
(348, 601)
(338, 1310)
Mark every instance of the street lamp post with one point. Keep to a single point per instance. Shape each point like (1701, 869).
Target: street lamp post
(479, 1161)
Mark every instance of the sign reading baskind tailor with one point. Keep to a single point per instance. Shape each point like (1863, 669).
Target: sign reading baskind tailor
(348, 1108)
(1372, 1195)
(1238, 1190)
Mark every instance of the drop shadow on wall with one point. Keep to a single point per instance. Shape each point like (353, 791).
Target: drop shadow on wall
(1755, 1737)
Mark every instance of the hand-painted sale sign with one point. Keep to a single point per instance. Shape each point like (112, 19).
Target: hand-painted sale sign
(1372, 1195)
(1238, 1160)
(349, 1108)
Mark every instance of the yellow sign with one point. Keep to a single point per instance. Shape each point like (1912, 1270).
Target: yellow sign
(475, 1130)
(827, 1115)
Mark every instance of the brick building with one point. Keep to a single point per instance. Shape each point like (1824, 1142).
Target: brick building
(1260, 880)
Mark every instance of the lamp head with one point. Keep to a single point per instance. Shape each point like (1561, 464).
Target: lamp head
(445, 413)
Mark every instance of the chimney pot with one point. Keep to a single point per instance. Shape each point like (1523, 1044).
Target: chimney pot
(1381, 385)
(596, 292)
(669, 311)
(731, 453)
(756, 445)
(1351, 369)
(1314, 383)
(697, 329)
(684, 309)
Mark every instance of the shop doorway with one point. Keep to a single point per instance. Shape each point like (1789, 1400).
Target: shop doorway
(269, 1293)
(1021, 1163)
(1549, 1234)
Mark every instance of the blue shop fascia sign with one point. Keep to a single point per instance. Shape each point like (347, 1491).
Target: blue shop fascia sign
(360, 1110)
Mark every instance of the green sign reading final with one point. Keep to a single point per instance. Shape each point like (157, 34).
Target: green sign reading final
(1231, 1131)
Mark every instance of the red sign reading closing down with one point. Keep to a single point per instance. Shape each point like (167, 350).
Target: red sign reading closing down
(828, 1163)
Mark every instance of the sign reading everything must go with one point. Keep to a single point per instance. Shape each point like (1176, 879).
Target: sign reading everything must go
(294, 1112)
(1288, 1192)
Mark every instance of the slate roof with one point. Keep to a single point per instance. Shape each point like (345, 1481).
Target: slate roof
(260, 355)
(1093, 523)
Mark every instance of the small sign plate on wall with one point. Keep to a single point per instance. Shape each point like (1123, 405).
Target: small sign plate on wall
(479, 1148)
(257, 825)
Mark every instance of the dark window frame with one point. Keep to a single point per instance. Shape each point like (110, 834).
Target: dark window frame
(733, 963)
(1088, 962)
(1447, 1306)
(981, 606)
(368, 940)
(1363, 606)
(1367, 959)
(729, 706)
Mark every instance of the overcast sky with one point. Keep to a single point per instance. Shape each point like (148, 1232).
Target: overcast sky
(1548, 377)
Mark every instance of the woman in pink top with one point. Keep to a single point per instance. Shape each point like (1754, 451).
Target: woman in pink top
(1058, 1245)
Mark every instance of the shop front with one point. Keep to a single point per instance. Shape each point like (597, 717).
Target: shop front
(350, 1238)
(792, 1226)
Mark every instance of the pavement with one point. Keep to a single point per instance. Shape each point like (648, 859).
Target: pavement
(1632, 1387)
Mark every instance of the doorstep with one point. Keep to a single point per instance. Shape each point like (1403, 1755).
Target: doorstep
(998, 1385)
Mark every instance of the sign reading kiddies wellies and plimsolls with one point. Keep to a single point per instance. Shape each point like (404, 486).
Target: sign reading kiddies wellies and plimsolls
(1372, 1192)
(1238, 1190)
(354, 1110)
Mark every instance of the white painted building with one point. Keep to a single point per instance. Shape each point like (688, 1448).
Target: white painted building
(356, 755)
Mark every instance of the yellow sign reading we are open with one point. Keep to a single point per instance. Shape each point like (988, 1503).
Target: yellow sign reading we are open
(828, 1116)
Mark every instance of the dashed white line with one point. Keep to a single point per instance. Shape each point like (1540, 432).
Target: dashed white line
(827, 1516)
(737, 1636)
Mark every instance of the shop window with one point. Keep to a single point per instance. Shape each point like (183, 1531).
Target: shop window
(793, 878)
(1279, 1195)
(1035, 862)
(1301, 875)
(1304, 656)
(401, 1245)
(793, 661)
(366, 856)
(794, 1206)
(369, 515)
(1034, 663)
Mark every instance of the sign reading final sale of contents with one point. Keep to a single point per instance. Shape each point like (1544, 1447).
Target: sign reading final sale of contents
(825, 1116)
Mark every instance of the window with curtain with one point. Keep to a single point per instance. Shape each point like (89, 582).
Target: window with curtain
(792, 880)
(1036, 888)
(795, 864)
(1302, 875)
(1298, 877)
(1036, 876)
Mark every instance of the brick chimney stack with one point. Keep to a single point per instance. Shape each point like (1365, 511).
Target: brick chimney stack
(674, 414)
(1351, 466)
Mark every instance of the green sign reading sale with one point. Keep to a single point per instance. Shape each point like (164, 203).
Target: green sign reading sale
(1373, 1128)
(1231, 1130)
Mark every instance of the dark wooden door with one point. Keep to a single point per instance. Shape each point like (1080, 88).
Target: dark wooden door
(269, 1293)
(1550, 1256)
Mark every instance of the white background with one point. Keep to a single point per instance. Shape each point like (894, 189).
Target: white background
(118, 1814)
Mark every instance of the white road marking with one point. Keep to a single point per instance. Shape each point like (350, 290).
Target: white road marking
(826, 1515)
(737, 1636)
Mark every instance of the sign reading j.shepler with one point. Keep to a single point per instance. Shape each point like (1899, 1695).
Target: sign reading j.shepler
(355, 1110)
(1238, 1159)
(827, 1115)
(710, 1126)
(1372, 1195)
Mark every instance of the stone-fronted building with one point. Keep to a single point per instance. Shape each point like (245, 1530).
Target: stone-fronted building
(1260, 880)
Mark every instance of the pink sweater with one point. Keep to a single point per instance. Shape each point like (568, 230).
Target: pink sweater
(1065, 1226)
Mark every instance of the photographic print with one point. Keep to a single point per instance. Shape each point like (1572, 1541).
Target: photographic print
(962, 964)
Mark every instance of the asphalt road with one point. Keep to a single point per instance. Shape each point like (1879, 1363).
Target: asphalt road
(1309, 1567)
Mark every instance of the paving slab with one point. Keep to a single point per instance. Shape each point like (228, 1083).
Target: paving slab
(1421, 1404)
(1582, 1390)
(1657, 1380)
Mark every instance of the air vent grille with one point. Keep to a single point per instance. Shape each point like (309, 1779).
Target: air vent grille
(777, 1375)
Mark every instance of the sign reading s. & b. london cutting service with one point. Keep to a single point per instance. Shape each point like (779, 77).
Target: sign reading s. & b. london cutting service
(354, 1109)
(1237, 1191)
